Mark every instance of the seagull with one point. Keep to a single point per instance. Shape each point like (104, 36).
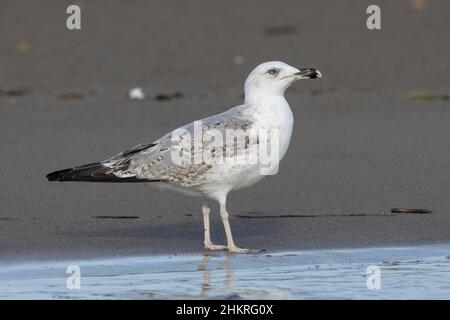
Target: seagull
(160, 163)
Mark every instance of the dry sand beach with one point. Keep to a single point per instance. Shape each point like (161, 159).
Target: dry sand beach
(373, 134)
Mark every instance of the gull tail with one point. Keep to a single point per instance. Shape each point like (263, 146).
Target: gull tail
(93, 172)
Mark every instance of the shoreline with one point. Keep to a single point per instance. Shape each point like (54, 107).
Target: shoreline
(186, 239)
(278, 275)
(373, 252)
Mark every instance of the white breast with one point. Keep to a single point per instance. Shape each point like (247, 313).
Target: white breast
(274, 114)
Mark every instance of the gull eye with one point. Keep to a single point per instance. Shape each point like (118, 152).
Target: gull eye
(272, 71)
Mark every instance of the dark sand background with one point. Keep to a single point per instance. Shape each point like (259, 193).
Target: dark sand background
(359, 144)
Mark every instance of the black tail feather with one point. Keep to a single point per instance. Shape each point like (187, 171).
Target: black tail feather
(93, 172)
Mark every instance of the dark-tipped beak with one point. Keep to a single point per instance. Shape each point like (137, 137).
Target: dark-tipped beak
(309, 73)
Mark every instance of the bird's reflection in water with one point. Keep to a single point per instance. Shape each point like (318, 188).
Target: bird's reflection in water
(226, 265)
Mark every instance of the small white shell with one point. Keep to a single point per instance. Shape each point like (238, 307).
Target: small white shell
(136, 94)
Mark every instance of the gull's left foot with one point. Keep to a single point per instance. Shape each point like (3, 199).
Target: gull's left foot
(242, 250)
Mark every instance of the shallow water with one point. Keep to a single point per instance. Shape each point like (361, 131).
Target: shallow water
(421, 272)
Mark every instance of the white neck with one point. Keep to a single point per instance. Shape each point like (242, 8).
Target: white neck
(260, 98)
(272, 111)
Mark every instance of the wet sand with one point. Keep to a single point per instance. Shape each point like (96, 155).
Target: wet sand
(376, 273)
(361, 144)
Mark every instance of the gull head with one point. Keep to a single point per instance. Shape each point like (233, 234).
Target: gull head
(274, 77)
